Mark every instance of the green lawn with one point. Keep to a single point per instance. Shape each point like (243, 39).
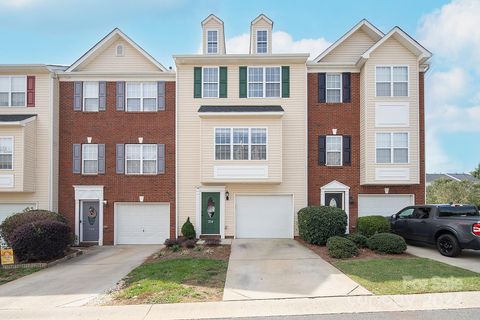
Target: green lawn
(175, 280)
(7, 275)
(410, 275)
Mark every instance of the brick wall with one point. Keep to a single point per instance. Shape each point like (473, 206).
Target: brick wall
(112, 127)
(345, 117)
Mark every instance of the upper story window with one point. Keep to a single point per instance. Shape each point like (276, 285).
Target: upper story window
(210, 82)
(262, 41)
(90, 96)
(141, 96)
(392, 147)
(141, 158)
(264, 82)
(333, 88)
(391, 81)
(334, 150)
(90, 158)
(240, 144)
(119, 50)
(6, 153)
(13, 91)
(212, 41)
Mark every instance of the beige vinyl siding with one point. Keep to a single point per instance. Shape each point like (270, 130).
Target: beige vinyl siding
(363, 146)
(260, 25)
(350, 50)
(30, 159)
(212, 24)
(108, 62)
(391, 52)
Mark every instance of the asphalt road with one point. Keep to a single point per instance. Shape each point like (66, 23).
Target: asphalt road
(457, 314)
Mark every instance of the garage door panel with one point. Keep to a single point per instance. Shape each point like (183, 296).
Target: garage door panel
(7, 209)
(384, 205)
(266, 216)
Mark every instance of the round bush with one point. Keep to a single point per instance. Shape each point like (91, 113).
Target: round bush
(387, 243)
(188, 230)
(341, 248)
(41, 240)
(359, 239)
(370, 225)
(317, 224)
(16, 220)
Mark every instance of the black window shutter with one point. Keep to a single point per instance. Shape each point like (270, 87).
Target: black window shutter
(346, 85)
(322, 82)
(347, 150)
(322, 150)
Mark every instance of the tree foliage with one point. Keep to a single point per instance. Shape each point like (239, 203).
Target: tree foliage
(476, 172)
(449, 191)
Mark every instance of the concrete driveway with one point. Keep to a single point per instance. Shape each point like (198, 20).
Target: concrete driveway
(282, 268)
(469, 259)
(76, 282)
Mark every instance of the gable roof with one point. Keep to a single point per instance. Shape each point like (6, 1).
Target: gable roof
(210, 17)
(451, 176)
(108, 40)
(261, 16)
(364, 25)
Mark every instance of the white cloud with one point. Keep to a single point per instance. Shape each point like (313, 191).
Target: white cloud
(447, 86)
(19, 3)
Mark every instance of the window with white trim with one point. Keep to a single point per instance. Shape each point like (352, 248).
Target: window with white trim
(262, 41)
(90, 96)
(391, 81)
(13, 91)
(264, 82)
(119, 50)
(141, 96)
(210, 81)
(6, 153)
(334, 150)
(141, 158)
(392, 147)
(333, 88)
(212, 41)
(90, 158)
(240, 144)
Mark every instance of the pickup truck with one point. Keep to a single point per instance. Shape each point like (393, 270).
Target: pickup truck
(450, 227)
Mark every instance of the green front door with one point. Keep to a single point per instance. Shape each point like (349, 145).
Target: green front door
(210, 212)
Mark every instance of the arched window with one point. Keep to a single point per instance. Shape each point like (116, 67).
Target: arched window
(119, 50)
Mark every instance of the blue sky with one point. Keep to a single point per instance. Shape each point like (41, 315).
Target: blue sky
(60, 31)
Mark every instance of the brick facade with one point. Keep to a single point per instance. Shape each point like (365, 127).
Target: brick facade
(345, 117)
(111, 127)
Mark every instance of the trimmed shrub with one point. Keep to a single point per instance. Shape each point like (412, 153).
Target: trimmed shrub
(41, 240)
(175, 248)
(341, 248)
(359, 239)
(387, 243)
(317, 224)
(190, 244)
(171, 242)
(188, 230)
(370, 225)
(11, 223)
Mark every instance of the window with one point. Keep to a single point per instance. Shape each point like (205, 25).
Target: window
(334, 150)
(240, 144)
(210, 82)
(141, 158)
(6, 153)
(262, 41)
(90, 158)
(392, 147)
(334, 88)
(13, 91)
(90, 96)
(264, 82)
(406, 214)
(119, 50)
(141, 96)
(212, 41)
(458, 211)
(391, 81)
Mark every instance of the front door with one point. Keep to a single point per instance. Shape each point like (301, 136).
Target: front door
(90, 220)
(210, 212)
(334, 199)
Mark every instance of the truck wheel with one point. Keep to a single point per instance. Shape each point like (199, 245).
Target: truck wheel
(447, 245)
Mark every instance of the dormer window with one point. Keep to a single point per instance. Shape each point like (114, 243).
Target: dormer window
(212, 41)
(119, 50)
(262, 41)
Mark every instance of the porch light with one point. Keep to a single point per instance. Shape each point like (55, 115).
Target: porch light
(334, 131)
(140, 198)
(105, 202)
(89, 139)
(387, 190)
(227, 195)
(140, 139)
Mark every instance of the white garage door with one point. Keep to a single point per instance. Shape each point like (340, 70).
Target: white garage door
(142, 223)
(266, 216)
(383, 205)
(7, 209)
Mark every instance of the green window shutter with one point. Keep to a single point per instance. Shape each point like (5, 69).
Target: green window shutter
(243, 82)
(285, 82)
(223, 82)
(197, 82)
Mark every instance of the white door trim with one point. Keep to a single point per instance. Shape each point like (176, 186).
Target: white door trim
(338, 187)
(88, 193)
(198, 211)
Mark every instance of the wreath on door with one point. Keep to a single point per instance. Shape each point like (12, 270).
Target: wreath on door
(92, 215)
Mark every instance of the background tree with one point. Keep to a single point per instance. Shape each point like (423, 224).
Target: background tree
(447, 191)
(476, 172)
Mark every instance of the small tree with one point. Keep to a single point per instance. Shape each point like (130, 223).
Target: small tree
(188, 230)
(449, 191)
(476, 172)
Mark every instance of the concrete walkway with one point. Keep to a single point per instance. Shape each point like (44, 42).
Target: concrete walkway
(76, 282)
(282, 268)
(469, 259)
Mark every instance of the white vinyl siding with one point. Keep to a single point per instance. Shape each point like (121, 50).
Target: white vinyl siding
(264, 82)
(90, 96)
(392, 147)
(210, 81)
(141, 96)
(141, 158)
(240, 144)
(334, 150)
(6, 153)
(212, 41)
(262, 41)
(334, 88)
(391, 81)
(90, 159)
(13, 91)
